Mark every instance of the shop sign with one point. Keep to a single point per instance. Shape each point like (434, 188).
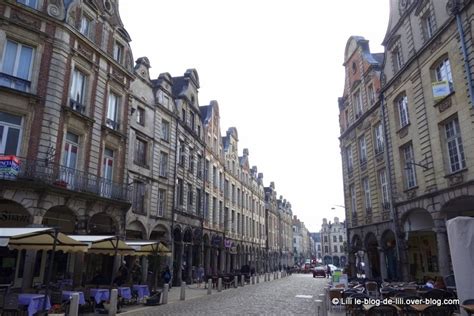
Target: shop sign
(227, 243)
(9, 166)
(216, 241)
(13, 217)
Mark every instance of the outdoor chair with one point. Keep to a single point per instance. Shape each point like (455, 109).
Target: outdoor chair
(383, 310)
(11, 305)
(371, 289)
(353, 308)
(436, 294)
(56, 297)
(438, 311)
(335, 293)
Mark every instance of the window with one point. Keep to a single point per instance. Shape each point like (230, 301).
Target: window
(108, 164)
(340, 238)
(199, 167)
(15, 70)
(191, 119)
(325, 238)
(347, 122)
(428, 25)
(454, 146)
(190, 197)
(165, 130)
(181, 153)
(30, 3)
(349, 162)
(215, 219)
(334, 238)
(113, 112)
(221, 181)
(85, 26)
(10, 134)
(118, 52)
(353, 197)
(402, 103)
(206, 170)
(71, 150)
(366, 187)
(214, 176)
(198, 201)
(341, 248)
(140, 155)
(163, 164)
(191, 161)
(379, 140)
(161, 202)
(138, 202)
(326, 249)
(443, 73)
(358, 104)
(233, 194)
(371, 94)
(141, 116)
(78, 89)
(362, 150)
(384, 188)
(335, 248)
(206, 206)
(183, 115)
(397, 59)
(180, 192)
(409, 167)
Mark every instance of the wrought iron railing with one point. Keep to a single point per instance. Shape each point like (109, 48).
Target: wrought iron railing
(14, 82)
(44, 171)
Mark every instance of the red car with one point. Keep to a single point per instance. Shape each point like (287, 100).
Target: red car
(319, 271)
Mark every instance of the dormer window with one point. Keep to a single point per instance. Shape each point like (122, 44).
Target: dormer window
(428, 25)
(29, 3)
(397, 59)
(85, 26)
(118, 52)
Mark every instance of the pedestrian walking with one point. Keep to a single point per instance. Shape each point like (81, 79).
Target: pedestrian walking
(200, 275)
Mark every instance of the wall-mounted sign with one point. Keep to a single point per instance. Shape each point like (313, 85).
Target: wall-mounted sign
(440, 89)
(9, 166)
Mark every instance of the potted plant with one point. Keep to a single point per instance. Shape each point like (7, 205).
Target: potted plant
(57, 310)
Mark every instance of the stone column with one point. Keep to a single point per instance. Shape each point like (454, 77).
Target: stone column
(383, 264)
(29, 268)
(189, 266)
(367, 266)
(179, 261)
(79, 266)
(443, 249)
(207, 260)
(144, 264)
(215, 268)
(222, 261)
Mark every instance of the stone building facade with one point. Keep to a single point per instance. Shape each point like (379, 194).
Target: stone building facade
(301, 243)
(363, 148)
(427, 98)
(104, 149)
(334, 242)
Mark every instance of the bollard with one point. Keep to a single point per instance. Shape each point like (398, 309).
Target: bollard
(182, 295)
(74, 307)
(242, 277)
(236, 281)
(209, 287)
(164, 295)
(319, 308)
(253, 279)
(258, 278)
(324, 298)
(113, 302)
(219, 285)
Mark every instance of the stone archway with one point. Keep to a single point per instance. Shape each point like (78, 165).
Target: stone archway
(62, 217)
(13, 214)
(420, 242)
(206, 253)
(372, 256)
(135, 231)
(187, 256)
(389, 255)
(460, 206)
(102, 224)
(161, 233)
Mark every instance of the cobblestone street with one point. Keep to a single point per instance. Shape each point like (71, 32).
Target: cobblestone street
(277, 297)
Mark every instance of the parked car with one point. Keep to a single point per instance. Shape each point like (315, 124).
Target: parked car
(319, 271)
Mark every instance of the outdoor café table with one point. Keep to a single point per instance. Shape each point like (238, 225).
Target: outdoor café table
(35, 302)
(125, 292)
(468, 308)
(100, 295)
(419, 307)
(67, 295)
(142, 291)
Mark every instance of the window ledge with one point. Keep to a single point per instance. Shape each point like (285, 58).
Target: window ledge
(448, 175)
(444, 103)
(403, 131)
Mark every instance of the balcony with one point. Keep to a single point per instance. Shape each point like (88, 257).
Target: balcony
(77, 106)
(13, 82)
(45, 172)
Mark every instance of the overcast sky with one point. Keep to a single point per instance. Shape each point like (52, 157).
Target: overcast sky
(275, 68)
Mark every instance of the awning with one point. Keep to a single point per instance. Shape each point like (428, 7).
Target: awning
(38, 239)
(146, 248)
(108, 245)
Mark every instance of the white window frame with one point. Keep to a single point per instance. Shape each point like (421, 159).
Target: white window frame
(379, 139)
(358, 104)
(353, 197)
(85, 28)
(428, 25)
(113, 111)
(165, 130)
(397, 59)
(69, 145)
(402, 104)
(29, 3)
(409, 167)
(371, 93)
(454, 146)
(108, 164)
(77, 94)
(163, 171)
(6, 130)
(25, 82)
(118, 51)
(384, 186)
(443, 72)
(161, 202)
(141, 114)
(367, 195)
(363, 149)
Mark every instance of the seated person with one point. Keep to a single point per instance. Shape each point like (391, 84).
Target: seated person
(439, 283)
(429, 284)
